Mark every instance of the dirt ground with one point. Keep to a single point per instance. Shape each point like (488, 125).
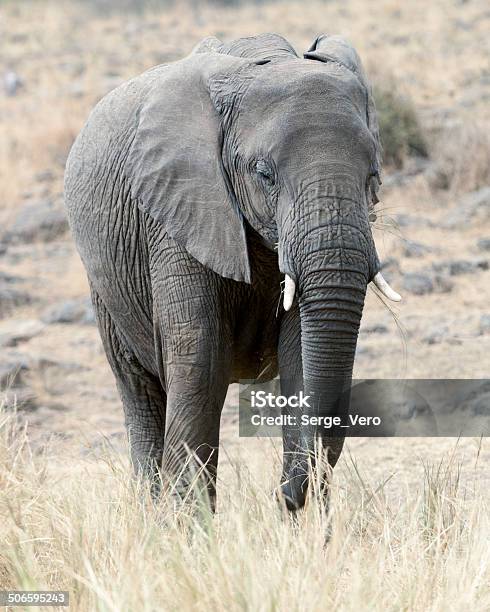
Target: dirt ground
(66, 57)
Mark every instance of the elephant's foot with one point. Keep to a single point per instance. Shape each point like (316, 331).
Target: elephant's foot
(310, 474)
(294, 488)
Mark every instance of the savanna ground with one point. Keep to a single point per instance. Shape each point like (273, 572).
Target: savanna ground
(409, 521)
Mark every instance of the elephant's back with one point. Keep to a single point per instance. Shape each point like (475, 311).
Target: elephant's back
(107, 226)
(98, 152)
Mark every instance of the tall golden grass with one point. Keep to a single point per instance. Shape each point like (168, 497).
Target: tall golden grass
(89, 529)
(463, 157)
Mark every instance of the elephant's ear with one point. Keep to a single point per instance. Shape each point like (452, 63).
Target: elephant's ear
(336, 49)
(175, 167)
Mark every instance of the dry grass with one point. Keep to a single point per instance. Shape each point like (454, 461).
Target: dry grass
(49, 141)
(88, 529)
(463, 158)
(401, 132)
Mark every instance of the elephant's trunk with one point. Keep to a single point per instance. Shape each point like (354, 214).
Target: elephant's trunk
(330, 319)
(332, 269)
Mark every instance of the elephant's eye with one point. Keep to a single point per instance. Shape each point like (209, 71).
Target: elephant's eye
(265, 173)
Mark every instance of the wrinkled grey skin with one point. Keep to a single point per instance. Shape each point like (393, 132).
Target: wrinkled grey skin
(178, 190)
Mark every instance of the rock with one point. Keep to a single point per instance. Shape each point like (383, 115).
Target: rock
(403, 220)
(476, 399)
(46, 176)
(40, 221)
(378, 328)
(475, 206)
(461, 266)
(437, 178)
(13, 367)
(11, 82)
(418, 284)
(480, 406)
(10, 299)
(390, 264)
(415, 249)
(390, 268)
(361, 349)
(413, 407)
(14, 332)
(422, 283)
(413, 167)
(483, 244)
(7, 278)
(436, 335)
(71, 311)
(484, 324)
(442, 283)
(77, 89)
(3, 248)
(73, 68)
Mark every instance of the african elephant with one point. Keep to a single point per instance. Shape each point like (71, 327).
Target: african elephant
(193, 191)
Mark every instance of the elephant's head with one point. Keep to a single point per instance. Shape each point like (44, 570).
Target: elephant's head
(291, 146)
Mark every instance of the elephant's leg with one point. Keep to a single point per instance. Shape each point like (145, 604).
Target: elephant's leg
(196, 393)
(191, 311)
(142, 396)
(296, 452)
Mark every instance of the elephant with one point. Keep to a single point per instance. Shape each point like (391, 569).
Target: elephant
(221, 207)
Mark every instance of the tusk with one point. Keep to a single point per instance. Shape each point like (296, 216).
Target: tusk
(385, 289)
(289, 291)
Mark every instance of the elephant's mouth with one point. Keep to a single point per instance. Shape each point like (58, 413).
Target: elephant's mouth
(378, 281)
